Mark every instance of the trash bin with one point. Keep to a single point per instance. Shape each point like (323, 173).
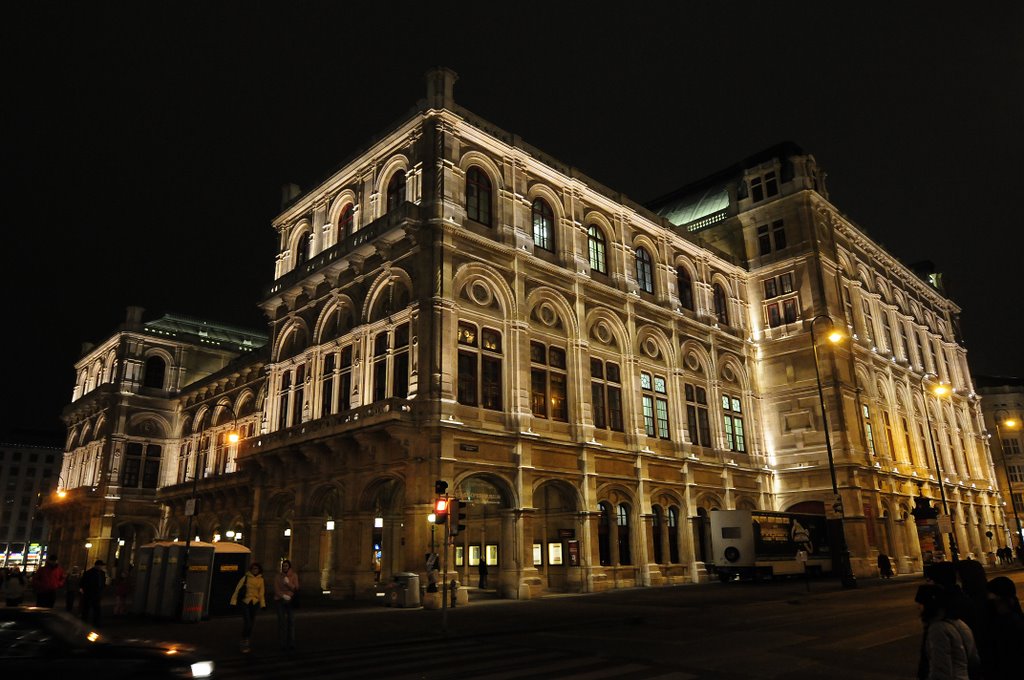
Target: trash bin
(408, 589)
(193, 612)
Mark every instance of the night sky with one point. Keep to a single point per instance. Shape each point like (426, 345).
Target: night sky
(145, 145)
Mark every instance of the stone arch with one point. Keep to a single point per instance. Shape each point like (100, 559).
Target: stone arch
(709, 500)
(336, 319)
(569, 495)
(386, 491)
(607, 328)
(846, 264)
(325, 501)
(292, 340)
(398, 162)
(540, 190)
(696, 358)
(598, 218)
(199, 421)
(810, 506)
(149, 425)
(344, 198)
(727, 285)
(389, 294)
(245, 403)
(468, 278)
(299, 232)
(745, 502)
(654, 345)
(503, 486)
(865, 277)
(555, 302)
(732, 370)
(280, 505)
(483, 161)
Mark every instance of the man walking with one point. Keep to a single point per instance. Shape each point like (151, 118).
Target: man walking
(49, 579)
(93, 582)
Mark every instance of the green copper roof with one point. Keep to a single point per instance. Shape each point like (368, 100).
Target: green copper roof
(693, 207)
(215, 334)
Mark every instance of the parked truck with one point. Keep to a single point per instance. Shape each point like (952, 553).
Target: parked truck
(755, 544)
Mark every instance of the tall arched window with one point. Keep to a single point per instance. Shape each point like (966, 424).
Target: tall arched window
(673, 535)
(543, 225)
(604, 534)
(685, 287)
(721, 305)
(622, 523)
(596, 247)
(155, 370)
(396, 190)
(346, 221)
(478, 196)
(656, 522)
(302, 249)
(644, 272)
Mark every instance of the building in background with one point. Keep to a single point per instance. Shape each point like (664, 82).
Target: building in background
(1003, 407)
(28, 475)
(123, 431)
(592, 376)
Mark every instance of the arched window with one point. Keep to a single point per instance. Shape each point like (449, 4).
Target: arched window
(656, 522)
(346, 222)
(302, 249)
(685, 287)
(478, 196)
(396, 190)
(622, 522)
(156, 369)
(596, 247)
(480, 360)
(721, 307)
(543, 225)
(644, 272)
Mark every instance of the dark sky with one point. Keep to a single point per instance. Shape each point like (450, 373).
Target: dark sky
(144, 145)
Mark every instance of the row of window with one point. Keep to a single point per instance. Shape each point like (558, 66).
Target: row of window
(953, 463)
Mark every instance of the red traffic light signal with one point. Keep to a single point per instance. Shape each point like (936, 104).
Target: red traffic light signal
(440, 511)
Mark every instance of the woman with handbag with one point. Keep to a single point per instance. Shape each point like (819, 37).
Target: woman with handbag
(286, 589)
(250, 593)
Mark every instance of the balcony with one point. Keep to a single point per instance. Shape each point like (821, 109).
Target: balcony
(406, 214)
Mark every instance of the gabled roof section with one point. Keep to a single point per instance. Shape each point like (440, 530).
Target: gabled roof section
(207, 333)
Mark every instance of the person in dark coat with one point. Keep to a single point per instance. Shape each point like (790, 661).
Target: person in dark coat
(884, 566)
(93, 582)
(482, 570)
(1007, 629)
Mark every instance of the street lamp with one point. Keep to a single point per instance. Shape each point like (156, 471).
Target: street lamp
(1010, 424)
(190, 506)
(939, 390)
(845, 566)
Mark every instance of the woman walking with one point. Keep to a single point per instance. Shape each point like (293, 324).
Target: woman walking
(286, 587)
(250, 593)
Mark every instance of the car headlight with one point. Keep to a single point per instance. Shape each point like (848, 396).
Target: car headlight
(202, 669)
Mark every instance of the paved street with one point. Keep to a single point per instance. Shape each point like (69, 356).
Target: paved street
(727, 631)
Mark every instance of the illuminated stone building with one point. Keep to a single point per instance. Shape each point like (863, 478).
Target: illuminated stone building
(587, 372)
(123, 431)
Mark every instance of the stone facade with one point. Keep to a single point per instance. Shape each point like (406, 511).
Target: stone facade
(587, 372)
(1003, 409)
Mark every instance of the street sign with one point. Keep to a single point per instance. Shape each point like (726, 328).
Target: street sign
(945, 524)
(190, 507)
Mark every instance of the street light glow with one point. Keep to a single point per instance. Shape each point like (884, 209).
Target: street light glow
(1011, 424)
(836, 336)
(940, 390)
(233, 437)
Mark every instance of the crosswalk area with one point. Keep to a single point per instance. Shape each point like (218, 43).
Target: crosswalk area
(463, 658)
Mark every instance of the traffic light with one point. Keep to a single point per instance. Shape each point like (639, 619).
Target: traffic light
(440, 486)
(441, 510)
(458, 512)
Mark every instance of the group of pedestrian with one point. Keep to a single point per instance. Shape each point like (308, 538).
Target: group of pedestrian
(250, 594)
(973, 627)
(1005, 555)
(50, 579)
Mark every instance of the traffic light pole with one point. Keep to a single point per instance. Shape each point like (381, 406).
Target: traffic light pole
(444, 577)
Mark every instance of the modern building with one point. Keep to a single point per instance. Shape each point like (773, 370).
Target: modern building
(589, 374)
(28, 474)
(1003, 409)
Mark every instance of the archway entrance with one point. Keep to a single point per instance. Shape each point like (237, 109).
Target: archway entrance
(484, 549)
(556, 528)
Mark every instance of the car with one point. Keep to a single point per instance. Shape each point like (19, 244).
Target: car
(34, 639)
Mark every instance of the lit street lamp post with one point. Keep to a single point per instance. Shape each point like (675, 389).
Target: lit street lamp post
(1010, 424)
(190, 509)
(845, 565)
(939, 391)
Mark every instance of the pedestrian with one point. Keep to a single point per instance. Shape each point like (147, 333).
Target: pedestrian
(122, 587)
(14, 587)
(94, 581)
(250, 594)
(482, 570)
(71, 586)
(48, 580)
(884, 566)
(948, 651)
(1007, 628)
(286, 589)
